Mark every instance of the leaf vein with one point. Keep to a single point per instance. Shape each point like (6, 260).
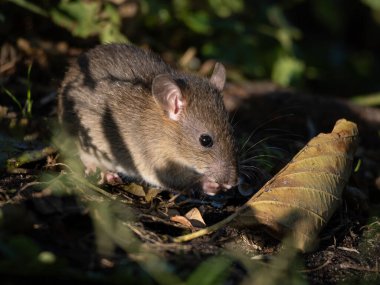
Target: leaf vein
(306, 189)
(312, 172)
(290, 206)
(343, 155)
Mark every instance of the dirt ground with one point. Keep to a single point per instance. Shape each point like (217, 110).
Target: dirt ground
(38, 216)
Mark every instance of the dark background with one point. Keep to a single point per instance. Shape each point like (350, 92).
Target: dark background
(319, 46)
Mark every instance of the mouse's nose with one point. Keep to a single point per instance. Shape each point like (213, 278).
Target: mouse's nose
(228, 177)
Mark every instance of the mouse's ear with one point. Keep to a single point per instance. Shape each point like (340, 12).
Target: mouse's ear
(218, 77)
(168, 95)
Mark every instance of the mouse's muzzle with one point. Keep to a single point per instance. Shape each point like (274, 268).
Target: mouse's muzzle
(223, 179)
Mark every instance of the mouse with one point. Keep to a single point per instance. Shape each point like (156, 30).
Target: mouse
(133, 114)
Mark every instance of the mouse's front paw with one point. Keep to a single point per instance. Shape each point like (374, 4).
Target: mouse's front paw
(111, 178)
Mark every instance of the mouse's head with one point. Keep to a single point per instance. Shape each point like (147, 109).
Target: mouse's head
(200, 135)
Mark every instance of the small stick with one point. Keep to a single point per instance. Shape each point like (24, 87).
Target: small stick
(29, 156)
(209, 229)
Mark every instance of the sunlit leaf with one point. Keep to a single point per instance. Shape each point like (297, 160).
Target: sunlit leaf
(111, 34)
(182, 220)
(287, 70)
(195, 217)
(78, 16)
(224, 8)
(373, 4)
(198, 22)
(301, 198)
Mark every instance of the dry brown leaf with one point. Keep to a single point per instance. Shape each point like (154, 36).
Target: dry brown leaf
(301, 198)
(182, 220)
(134, 189)
(152, 193)
(195, 218)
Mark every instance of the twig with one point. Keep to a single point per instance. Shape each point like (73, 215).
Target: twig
(327, 262)
(60, 164)
(28, 156)
(360, 268)
(348, 249)
(209, 229)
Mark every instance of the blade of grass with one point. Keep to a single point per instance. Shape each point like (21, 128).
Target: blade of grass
(367, 100)
(31, 7)
(29, 102)
(9, 93)
(207, 230)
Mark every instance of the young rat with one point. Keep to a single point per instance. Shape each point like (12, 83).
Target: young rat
(131, 113)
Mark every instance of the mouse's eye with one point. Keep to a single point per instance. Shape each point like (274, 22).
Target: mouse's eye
(206, 140)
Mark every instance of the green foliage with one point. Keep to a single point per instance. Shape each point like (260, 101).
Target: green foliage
(82, 18)
(373, 4)
(283, 268)
(212, 271)
(312, 44)
(287, 70)
(29, 101)
(18, 250)
(26, 110)
(14, 99)
(225, 30)
(367, 100)
(86, 19)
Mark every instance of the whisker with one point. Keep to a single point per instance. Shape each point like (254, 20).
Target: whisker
(258, 163)
(260, 142)
(266, 162)
(250, 175)
(264, 123)
(253, 170)
(272, 148)
(232, 118)
(246, 141)
(257, 176)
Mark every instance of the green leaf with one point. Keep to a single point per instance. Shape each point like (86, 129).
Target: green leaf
(367, 99)
(198, 22)
(31, 7)
(29, 101)
(14, 98)
(81, 18)
(111, 34)
(373, 4)
(225, 8)
(213, 271)
(112, 14)
(287, 70)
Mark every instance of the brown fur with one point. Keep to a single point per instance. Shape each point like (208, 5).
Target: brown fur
(105, 101)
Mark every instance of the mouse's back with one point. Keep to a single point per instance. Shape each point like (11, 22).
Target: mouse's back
(122, 62)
